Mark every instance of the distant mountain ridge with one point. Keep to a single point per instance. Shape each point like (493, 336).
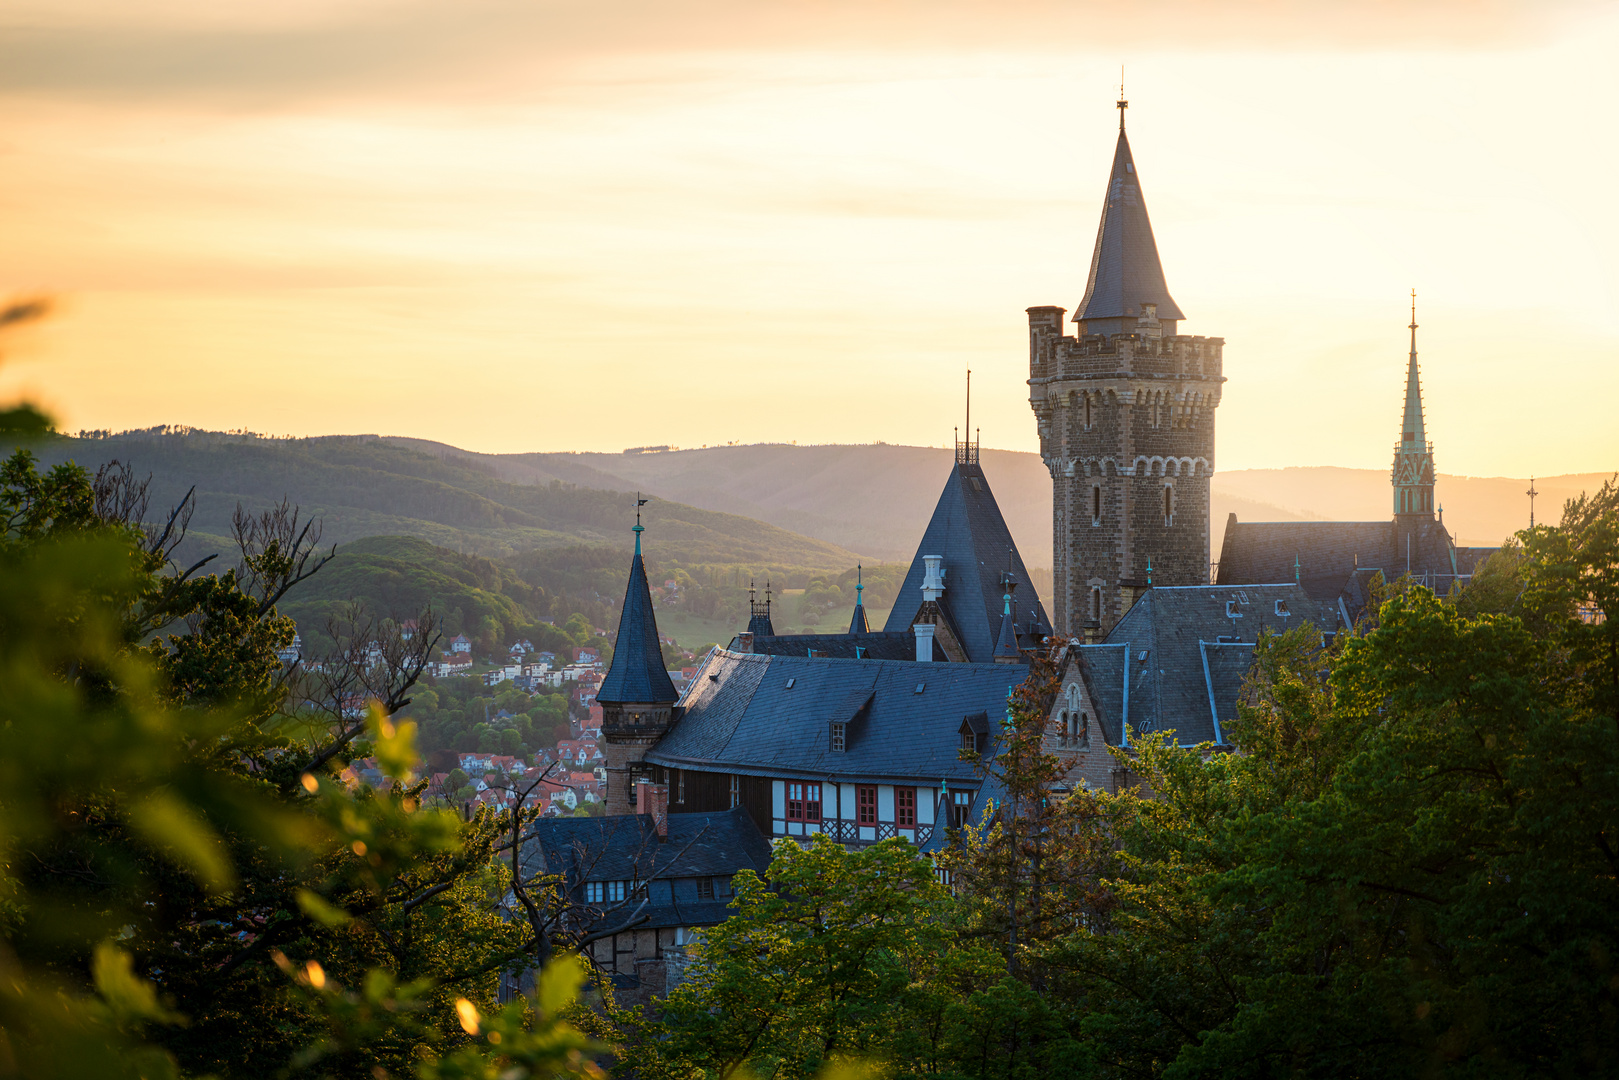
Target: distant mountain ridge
(361, 486)
(807, 507)
(876, 499)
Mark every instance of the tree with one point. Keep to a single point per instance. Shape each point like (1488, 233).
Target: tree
(846, 954)
(1409, 868)
(177, 847)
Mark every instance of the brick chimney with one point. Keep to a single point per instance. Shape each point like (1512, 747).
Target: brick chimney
(654, 800)
(744, 642)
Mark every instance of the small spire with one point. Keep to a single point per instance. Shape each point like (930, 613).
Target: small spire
(1296, 569)
(1149, 571)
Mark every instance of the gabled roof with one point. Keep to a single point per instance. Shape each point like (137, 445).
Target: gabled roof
(1125, 271)
(740, 715)
(967, 529)
(1334, 557)
(1187, 650)
(626, 848)
(637, 673)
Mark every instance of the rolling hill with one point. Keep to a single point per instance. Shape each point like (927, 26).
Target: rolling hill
(363, 486)
(875, 499)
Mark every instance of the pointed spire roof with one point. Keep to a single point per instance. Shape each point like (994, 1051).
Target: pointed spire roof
(637, 673)
(1412, 434)
(1125, 271)
(968, 531)
(858, 624)
(1006, 644)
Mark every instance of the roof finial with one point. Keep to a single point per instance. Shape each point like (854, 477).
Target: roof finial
(1531, 493)
(859, 583)
(639, 528)
(1123, 104)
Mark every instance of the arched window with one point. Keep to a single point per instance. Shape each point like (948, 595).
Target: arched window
(1096, 504)
(1087, 412)
(1096, 605)
(1169, 505)
(1084, 732)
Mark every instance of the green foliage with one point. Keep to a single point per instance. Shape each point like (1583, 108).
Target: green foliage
(1408, 870)
(166, 858)
(845, 955)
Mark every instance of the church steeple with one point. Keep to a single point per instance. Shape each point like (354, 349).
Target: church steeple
(1126, 274)
(1413, 472)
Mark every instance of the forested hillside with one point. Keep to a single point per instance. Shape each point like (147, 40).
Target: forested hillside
(363, 486)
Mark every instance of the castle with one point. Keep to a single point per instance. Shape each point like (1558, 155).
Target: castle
(1125, 409)
(857, 735)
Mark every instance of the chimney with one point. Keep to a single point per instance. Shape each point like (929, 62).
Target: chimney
(932, 577)
(924, 641)
(657, 804)
(744, 641)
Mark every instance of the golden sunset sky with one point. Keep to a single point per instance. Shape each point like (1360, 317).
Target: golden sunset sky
(527, 225)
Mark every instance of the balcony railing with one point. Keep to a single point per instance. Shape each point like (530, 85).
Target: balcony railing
(851, 832)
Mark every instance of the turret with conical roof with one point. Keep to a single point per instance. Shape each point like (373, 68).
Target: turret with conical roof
(1413, 471)
(1126, 274)
(637, 694)
(1125, 410)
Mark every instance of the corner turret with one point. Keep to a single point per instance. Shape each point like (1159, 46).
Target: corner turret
(636, 696)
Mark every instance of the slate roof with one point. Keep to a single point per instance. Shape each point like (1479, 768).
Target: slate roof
(878, 646)
(967, 529)
(626, 848)
(1186, 658)
(1330, 553)
(739, 715)
(637, 673)
(857, 621)
(1125, 270)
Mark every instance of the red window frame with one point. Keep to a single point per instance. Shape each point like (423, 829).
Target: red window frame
(865, 797)
(905, 807)
(803, 801)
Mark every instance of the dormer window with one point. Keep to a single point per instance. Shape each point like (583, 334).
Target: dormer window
(1281, 609)
(1231, 611)
(969, 741)
(839, 736)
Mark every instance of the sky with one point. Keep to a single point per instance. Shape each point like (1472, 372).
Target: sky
(523, 225)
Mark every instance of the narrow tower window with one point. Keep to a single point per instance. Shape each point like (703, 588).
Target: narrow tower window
(1169, 505)
(1096, 504)
(1096, 605)
(1087, 412)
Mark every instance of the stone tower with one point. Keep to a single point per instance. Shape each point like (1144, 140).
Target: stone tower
(1125, 409)
(1413, 474)
(636, 696)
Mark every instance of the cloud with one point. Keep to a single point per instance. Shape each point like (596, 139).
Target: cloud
(413, 49)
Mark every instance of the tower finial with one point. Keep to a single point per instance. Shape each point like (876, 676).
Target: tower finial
(1531, 493)
(639, 528)
(1122, 104)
